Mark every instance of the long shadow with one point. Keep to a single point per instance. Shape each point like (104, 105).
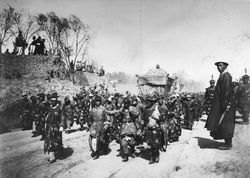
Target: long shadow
(205, 143)
(203, 120)
(82, 129)
(65, 153)
(144, 154)
(71, 131)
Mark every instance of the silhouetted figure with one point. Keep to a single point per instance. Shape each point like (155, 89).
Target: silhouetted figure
(101, 72)
(32, 45)
(37, 46)
(72, 66)
(7, 51)
(19, 43)
(42, 47)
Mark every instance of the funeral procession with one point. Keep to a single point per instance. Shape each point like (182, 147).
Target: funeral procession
(124, 89)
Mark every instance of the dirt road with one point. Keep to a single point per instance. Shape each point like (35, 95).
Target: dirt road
(193, 156)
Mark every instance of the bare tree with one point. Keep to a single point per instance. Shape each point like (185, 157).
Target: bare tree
(6, 24)
(48, 23)
(81, 36)
(26, 23)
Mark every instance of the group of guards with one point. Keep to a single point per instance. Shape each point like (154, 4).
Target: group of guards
(130, 120)
(242, 95)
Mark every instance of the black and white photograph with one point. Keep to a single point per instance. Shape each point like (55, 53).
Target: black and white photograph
(124, 88)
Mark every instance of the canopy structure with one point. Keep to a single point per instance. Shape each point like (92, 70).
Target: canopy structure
(155, 80)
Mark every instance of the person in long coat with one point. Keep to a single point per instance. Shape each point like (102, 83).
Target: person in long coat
(221, 119)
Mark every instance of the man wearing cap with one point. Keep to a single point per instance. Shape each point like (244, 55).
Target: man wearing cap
(243, 96)
(67, 113)
(163, 122)
(209, 96)
(153, 139)
(84, 108)
(25, 112)
(97, 118)
(221, 118)
(53, 129)
(129, 114)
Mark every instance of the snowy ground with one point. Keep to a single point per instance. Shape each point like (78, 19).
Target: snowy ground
(194, 155)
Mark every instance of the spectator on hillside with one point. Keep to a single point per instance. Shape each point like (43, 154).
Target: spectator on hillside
(101, 72)
(37, 46)
(72, 66)
(42, 47)
(7, 51)
(32, 45)
(19, 43)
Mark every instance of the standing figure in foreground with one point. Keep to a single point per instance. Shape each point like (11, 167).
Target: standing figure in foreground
(221, 118)
(153, 139)
(97, 118)
(53, 129)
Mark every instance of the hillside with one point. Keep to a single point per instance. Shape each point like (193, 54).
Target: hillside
(30, 73)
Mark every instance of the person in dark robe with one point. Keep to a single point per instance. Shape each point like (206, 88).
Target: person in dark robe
(221, 118)
(38, 46)
(32, 45)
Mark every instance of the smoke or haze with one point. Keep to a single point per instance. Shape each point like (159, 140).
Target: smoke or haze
(135, 35)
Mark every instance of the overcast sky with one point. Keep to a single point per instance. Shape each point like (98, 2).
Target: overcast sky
(135, 35)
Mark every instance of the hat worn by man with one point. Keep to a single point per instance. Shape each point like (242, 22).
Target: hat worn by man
(245, 76)
(212, 81)
(54, 95)
(224, 62)
(97, 98)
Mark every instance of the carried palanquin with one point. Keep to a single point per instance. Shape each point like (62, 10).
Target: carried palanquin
(155, 80)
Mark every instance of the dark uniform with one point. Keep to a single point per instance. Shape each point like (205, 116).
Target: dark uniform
(163, 123)
(243, 96)
(42, 111)
(53, 134)
(129, 114)
(209, 97)
(67, 113)
(25, 112)
(221, 118)
(97, 119)
(85, 110)
(153, 139)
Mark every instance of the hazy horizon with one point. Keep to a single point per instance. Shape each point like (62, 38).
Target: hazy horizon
(183, 35)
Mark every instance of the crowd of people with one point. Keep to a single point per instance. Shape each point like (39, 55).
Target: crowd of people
(84, 67)
(130, 120)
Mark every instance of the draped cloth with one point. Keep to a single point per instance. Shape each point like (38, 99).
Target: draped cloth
(224, 96)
